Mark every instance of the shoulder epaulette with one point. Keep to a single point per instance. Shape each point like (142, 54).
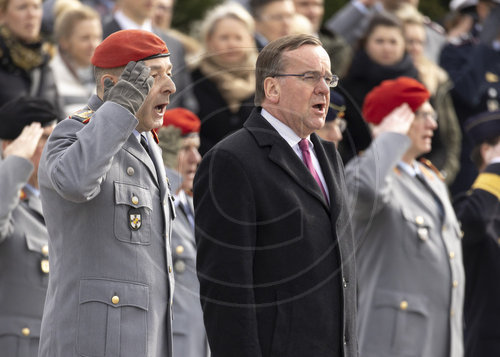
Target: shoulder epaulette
(428, 164)
(83, 115)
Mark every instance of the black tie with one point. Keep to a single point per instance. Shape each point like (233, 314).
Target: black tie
(433, 194)
(144, 143)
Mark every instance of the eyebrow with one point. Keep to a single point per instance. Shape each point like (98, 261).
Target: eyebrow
(157, 68)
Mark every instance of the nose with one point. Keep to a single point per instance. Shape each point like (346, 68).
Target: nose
(195, 156)
(168, 85)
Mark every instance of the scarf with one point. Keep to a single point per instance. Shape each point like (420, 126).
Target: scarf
(235, 83)
(19, 54)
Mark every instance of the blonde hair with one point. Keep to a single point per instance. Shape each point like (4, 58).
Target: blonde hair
(227, 10)
(67, 13)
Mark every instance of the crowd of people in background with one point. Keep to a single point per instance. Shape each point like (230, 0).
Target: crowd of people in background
(414, 116)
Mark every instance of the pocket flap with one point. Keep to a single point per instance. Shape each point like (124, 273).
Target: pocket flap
(132, 195)
(20, 326)
(35, 243)
(114, 293)
(401, 301)
(419, 220)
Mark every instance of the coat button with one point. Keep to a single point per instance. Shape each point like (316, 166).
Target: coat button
(115, 299)
(180, 266)
(423, 233)
(44, 265)
(452, 255)
(170, 269)
(403, 305)
(135, 200)
(179, 249)
(25, 331)
(130, 171)
(455, 283)
(452, 313)
(344, 283)
(45, 250)
(419, 220)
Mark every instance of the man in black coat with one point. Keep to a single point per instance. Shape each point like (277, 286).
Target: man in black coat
(479, 211)
(275, 248)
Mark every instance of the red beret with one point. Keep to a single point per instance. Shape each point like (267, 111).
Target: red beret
(124, 46)
(182, 118)
(390, 94)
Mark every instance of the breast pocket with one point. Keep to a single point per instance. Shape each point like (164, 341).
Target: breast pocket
(133, 209)
(397, 325)
(19, 336)
(112, 318)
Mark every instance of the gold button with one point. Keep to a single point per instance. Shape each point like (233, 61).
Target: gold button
(444, 228)
(45, 250)
(180, 266)
(115, 299)
(455, 283)
(130, 171)
(44, 265)
(452, 255)
(25, 331)
(135, 200)
(498, 241)
(170, 269)
(452, 313)
(423, 233)
(179, 249)
(403, 305)
(461, 234)
(419, 220)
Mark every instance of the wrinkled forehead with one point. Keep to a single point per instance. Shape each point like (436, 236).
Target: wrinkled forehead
(159, 64)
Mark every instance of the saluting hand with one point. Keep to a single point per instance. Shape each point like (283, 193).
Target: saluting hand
(26, 143)
(397, 121)
(132, 87)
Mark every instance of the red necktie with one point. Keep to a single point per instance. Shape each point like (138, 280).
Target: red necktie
(306, 155)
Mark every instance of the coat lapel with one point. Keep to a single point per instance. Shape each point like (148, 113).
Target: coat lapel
(157, 160)
(283, 155)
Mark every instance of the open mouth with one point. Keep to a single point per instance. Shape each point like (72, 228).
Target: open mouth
(160, 109)
(320, 107)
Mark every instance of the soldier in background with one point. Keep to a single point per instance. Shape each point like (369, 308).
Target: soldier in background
(479, 212)
(25, 127)
(179, 140)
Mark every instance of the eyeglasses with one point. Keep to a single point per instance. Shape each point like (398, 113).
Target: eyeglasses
(426, 115)
(313, 78)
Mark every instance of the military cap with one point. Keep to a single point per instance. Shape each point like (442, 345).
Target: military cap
(390, 94)
(22, 111)
(337, 106)
(124, 46)
(183, 119)
(482, 127)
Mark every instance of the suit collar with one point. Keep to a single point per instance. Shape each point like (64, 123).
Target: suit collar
(283, 155)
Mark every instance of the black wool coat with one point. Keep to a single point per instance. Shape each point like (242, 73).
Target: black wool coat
(275, 261)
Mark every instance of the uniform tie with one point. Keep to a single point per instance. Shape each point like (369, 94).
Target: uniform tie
(144, 143)
(306, 156)
(436, 198)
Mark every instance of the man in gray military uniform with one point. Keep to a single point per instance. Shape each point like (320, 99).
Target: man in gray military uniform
(180, 141)
(24, 264)
(108, 211)
(409, 257)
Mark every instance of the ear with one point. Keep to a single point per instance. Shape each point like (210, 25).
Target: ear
(272, 90)
(101, 82)
(485, 150)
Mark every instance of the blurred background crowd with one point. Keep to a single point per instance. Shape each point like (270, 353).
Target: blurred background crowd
(452, 48)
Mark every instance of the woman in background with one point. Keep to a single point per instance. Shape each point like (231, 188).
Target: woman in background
(77, 32)
(224, 78)
(24, 57)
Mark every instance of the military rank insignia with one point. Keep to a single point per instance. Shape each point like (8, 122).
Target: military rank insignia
(135, 219)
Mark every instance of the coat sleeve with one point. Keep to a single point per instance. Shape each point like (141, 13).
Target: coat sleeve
(226, 236)
(367, 175)
(77, 156)
(15, 172)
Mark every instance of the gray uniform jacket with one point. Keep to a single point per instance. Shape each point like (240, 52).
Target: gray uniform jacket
(23, 261)
(108, 211)
(190, 338)
(409, 259)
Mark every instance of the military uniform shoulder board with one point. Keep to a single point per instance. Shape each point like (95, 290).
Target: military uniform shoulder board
(83, 115)
(428, 164)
